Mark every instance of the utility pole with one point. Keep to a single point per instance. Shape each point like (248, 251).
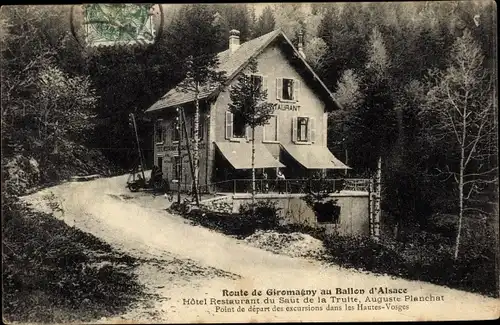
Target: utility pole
(132, 118)
(178, 166)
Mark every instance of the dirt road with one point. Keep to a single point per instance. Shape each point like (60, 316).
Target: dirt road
(194, 262)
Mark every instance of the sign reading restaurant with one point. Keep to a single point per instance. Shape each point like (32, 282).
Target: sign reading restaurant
(286, 107)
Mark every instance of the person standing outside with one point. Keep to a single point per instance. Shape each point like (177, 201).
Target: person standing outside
(265, 184)
(280, 177)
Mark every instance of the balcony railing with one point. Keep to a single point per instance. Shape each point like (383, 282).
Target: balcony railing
(288, 186)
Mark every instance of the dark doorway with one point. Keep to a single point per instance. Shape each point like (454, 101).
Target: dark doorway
(159, 163)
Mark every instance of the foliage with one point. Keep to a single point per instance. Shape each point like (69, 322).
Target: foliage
(232, 16)
(248, 100)
(325, 208)
(420, 255)
(47, 102)
(460, 111)
(198, 56)
(261, 214)
(265, 24)
(240, 224)
(55, 273)
(315, 52)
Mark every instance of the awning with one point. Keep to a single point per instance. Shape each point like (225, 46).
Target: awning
(314, 157)
(239, 155)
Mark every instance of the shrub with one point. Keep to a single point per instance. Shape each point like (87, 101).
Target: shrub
(240, 224)
(325, 208)
(262, 215)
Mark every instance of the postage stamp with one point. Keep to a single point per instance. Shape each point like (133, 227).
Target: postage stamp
(118, 24)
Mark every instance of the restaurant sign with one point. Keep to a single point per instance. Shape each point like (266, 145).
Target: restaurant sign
(287, 107)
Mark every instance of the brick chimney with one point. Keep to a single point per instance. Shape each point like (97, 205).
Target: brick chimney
(234, 40)
(301, 44)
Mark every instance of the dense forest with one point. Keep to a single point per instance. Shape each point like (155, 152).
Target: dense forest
(417, 82)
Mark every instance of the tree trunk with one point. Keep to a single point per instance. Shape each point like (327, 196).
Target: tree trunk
(461, 182)
(253, 166)
(196, 149)
(461, 200)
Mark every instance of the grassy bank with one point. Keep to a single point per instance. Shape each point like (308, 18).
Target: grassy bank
(56, 273)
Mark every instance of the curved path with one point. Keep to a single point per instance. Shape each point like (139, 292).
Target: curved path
(137, 223)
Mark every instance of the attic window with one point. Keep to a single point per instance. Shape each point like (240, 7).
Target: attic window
(287, 89)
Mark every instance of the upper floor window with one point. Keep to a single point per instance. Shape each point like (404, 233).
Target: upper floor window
(287, 89)
(159, 135)
(239, 127)
(235, 127)
(271, 129)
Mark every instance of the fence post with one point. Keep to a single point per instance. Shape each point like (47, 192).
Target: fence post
(286, 186)
(234, 186)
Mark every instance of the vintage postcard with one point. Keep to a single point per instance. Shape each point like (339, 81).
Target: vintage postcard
(250, 162)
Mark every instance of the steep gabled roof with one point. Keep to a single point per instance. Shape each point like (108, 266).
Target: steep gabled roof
(232, 64)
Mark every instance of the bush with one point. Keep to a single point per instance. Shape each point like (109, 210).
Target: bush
(240, 224)
(325, 208)
(421, 256)
(262, 215)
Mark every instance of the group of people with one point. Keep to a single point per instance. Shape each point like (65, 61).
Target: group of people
(280, 178)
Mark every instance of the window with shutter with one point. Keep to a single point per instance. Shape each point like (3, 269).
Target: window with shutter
(303, 129)
(288, 89)
(229, 125)
(239, 127)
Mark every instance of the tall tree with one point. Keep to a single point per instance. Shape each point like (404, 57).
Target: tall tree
(46, 109)
(249, 103)
(201, 63)
(233, 16)
(266, 22)
(460, 106)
